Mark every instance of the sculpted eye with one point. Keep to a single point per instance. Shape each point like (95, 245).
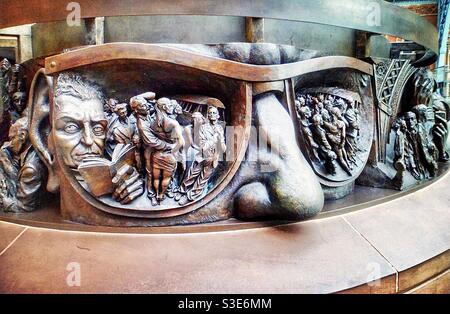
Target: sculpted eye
(98, 130)
(71, 128)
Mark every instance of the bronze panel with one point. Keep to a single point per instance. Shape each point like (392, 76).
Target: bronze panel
(356, 14)
(439, 284)
(176, 56)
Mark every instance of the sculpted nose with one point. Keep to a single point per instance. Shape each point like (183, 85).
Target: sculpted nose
(286, 186)
(86, 138)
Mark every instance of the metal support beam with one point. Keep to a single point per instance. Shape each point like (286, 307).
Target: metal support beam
(95, 31)
(254, 29)
(376, 16)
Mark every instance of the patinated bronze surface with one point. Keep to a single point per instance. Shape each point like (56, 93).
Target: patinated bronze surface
(331, 124)
(355, 14)
(239, 139)
(206, 133)
(330, 109)
(413, 120)
(13, 95)
(22, 173)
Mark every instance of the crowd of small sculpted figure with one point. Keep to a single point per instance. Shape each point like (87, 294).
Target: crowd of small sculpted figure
(176, 160)
(331, 128)
(414, 150)
(21, 171)
(13, 96)
(421, 133)
(163, 145)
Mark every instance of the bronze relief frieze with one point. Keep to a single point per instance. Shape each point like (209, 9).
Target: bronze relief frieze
(154, 135)
(152, 154)
(412, 128)
(335, 122)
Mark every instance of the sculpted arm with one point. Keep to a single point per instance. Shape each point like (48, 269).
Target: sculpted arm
(148, 138)
(206, 143)
(143, 97)
(222, 145)
(177, 131)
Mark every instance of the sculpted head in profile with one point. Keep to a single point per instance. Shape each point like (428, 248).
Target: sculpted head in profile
(79, 119)
(18, 136)
(166, 105)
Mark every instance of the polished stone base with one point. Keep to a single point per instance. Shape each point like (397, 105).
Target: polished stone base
(336, 193)
(397, 243)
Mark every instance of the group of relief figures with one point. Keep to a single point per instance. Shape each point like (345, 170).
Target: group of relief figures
(177, 160)
(171, 159)
(421, 133)
(22, 173)
(330, 126)
(13, 96)
(178, 147)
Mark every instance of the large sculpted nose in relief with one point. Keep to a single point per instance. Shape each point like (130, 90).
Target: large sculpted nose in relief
(275, 180)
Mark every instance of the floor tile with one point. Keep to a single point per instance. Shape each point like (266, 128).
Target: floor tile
(315, 256)
(410, 230)
(8, 232)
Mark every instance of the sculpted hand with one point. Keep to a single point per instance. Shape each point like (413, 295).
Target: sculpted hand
(128, 185)
(3, 191)
(4, 66)
(6, 201)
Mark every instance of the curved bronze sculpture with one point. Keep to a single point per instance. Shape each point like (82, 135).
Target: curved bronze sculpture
(210, 132)
(375, 16)
(229, 179)
(136, 135)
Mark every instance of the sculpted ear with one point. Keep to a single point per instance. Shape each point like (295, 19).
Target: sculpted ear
(40, 127)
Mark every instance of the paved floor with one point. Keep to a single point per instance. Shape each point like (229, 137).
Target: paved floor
(395, 245)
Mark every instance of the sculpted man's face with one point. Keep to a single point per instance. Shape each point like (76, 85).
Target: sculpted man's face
(166, 105)
(178, 109)
(410, 120)
(317, 120)
(19, 100)
(336, 112)
(321, 97)
(110, 105)
(18, 138)
(79, 129)
(140, 106)
(169, 107)
(403, 125)
(121, 111)
(421, 113)
(197, 118)
(306, 112)
(213, 114)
